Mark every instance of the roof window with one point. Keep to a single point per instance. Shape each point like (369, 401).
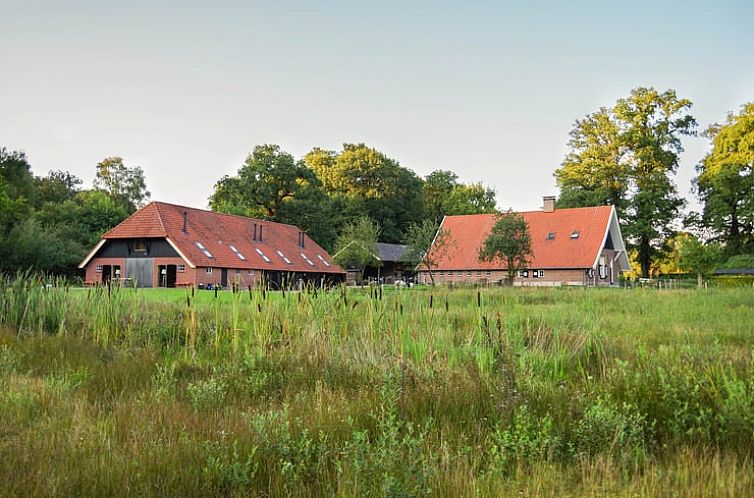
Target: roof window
(237, 252)
(575, 234)
(280, 253)
(323, 260)
(204, 249)
(551, 236)
(306, 258)
(264, 256)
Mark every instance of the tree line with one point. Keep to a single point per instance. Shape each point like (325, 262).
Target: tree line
(626, 155)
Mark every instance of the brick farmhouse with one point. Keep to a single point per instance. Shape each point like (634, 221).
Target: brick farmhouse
(165, 245)
(579, 246)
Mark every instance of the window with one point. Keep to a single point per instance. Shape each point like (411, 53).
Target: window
(575, 234)
(238, 272)
(489, 273)
(323, 260)
(116, 271)
(203, 249)
(551, 236)
(541, 273)
(523, 273)
(535, 274)
(459, 274)
(479, 273)
(264, 256)
(441, 273)
(181, 268)
(140, 246)
(251, 273)
(280, 253)
(237, 252)
(98, 268)
(209, 271)
(306, 258)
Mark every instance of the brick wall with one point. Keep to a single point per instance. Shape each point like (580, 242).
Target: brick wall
(550, 277)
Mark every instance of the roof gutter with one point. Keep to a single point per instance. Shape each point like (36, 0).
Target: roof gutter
(172, 244)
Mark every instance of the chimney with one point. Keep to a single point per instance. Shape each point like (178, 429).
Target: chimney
(185, 222)
(260, 233)
(255, 232)
(301, 239)
(549, 203)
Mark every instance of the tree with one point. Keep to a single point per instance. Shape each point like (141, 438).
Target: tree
(443, 195)
(15, 171)
(725, 181)
(509, 242)
(355, 245)
(272, 185)
(368, 183)
(427, 244)
(594, 172)
(57, 186)
(698, 258)
(626, 156)
(126, 185)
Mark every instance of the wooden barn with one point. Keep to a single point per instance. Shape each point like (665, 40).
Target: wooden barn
(579, 246)
(165, 245)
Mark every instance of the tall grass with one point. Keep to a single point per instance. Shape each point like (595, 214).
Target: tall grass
(375, 392)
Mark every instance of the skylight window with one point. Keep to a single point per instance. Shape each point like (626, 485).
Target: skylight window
(551, 236)
(323, 260)
(237, 252)
(264, 256)
(311, 263)
(575, 234)
(203, 249)
(280, 253)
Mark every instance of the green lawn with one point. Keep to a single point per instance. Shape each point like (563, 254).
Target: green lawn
(420, 392)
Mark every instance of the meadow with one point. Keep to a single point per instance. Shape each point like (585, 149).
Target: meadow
(431, 392)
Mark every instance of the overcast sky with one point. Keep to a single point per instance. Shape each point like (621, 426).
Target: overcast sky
(487, 89)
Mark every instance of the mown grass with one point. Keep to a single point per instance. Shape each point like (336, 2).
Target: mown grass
(432, 392)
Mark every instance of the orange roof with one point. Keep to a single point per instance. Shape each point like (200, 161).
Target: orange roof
(220, 234)
(468, 232)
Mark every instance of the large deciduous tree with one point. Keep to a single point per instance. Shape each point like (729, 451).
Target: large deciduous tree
(626, 156)
(725, 182)
(365, 182)
(444, 195)
(509, 242)
(125, 184)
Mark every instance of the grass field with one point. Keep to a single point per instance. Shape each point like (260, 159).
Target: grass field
(421, 392)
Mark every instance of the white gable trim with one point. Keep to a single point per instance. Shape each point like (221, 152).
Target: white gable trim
(172, 244)
(614, 226)
(92, 253)
(434, 239)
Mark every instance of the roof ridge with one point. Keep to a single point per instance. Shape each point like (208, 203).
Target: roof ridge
(219, 213)
(159, 217)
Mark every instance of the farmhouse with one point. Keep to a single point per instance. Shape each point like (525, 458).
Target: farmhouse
(579, 246)
(165, 245)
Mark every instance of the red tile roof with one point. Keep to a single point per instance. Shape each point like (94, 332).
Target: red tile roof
(468, 232)
(217, 232)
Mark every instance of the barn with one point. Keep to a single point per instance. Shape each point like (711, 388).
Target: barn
(166, 245)
(578, 246)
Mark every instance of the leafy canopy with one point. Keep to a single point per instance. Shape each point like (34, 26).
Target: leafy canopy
(509, 242)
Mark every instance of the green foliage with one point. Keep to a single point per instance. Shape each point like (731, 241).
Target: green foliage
(354, 247)
(443, 195)
(725, 181)
(626, 156)
(739, 261)
(126, 185)
(698, 258)
(509, 242)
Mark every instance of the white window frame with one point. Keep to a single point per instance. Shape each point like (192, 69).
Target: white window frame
(208, 271)
(181, 268)
(98, 268)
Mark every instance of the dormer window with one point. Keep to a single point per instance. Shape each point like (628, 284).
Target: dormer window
(575, 234)
(140, 246)
(551, 236)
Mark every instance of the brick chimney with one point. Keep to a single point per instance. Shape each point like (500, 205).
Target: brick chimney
(549, 203)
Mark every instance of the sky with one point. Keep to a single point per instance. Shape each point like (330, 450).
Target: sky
(489, 90)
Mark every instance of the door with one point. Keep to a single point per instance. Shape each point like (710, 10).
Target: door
(224, 277)
(171, 276)
(106, 273)
(139, 272)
